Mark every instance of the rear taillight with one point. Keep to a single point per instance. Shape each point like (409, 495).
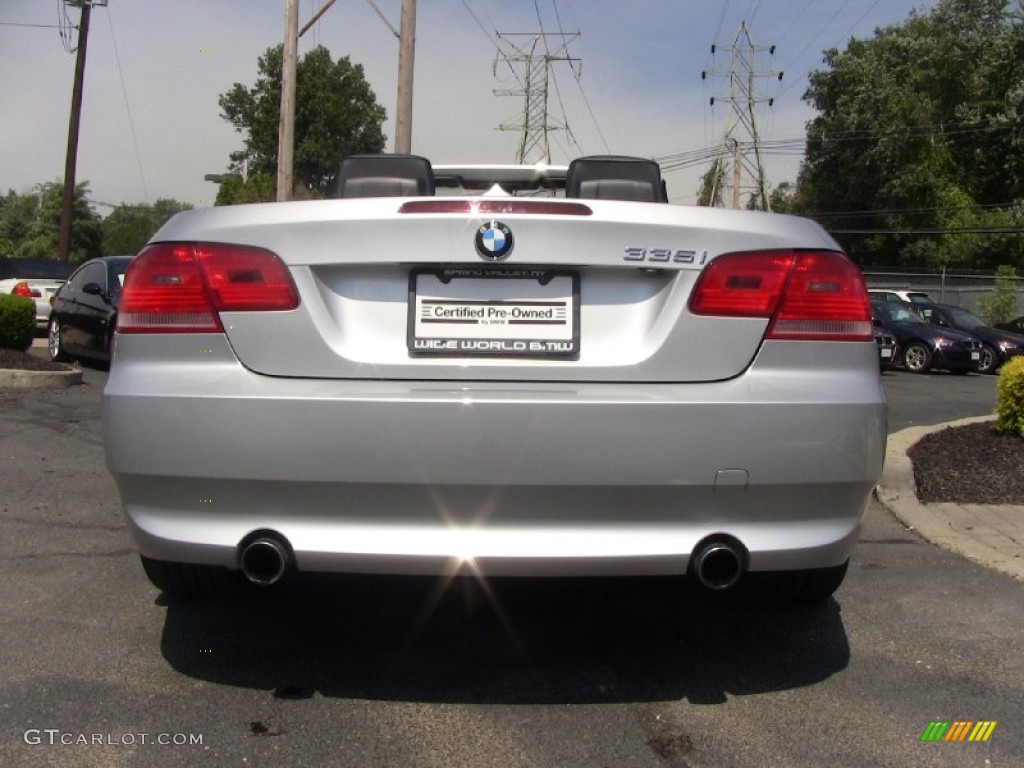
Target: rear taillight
(182, 287)
(25, 291)
(807, 295)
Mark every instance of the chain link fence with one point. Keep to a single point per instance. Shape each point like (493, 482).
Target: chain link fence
(961, 289)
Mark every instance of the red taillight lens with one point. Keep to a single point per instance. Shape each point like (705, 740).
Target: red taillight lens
(182, 287)
(244, 279)
(22, 289)
(806, 294)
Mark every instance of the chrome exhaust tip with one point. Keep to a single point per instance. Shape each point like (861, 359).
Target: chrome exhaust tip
(718, 564)
(265, 559)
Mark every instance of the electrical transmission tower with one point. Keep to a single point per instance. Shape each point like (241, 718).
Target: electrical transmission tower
(739, 165)
(536, 59)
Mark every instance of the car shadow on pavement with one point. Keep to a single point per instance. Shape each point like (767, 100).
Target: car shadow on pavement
(515, 641)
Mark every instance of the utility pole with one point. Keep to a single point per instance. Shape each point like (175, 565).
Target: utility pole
(406, 56)
(71, 159)
(740, 137)
(286, 122)
(289, 66)
(536, 122)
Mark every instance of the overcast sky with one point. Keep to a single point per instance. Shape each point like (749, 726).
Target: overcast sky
(151, 126)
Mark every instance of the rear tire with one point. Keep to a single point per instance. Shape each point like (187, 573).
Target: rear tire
(917, 358)
(55, 340)
(796, 587)
(188, 580)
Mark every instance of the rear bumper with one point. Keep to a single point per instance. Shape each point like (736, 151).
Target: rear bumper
(505, 478)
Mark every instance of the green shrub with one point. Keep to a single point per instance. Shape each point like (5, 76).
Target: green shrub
(1010, 398)
(1000, 306)
(17, 322)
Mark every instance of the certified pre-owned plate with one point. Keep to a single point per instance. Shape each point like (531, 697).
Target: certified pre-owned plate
(494, 312)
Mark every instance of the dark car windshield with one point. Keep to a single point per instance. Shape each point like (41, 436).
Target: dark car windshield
(964, 319)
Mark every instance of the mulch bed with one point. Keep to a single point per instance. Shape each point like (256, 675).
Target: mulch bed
(23, 361)
(970, 465)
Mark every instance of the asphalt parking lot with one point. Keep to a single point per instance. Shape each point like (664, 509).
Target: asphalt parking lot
(98, 668)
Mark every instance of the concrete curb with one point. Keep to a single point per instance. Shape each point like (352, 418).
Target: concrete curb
(17, 379)
(991, 535)
(11, 378)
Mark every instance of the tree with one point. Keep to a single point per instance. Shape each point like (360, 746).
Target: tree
(336, 115)
(709, 193)
(129, 227)
(1001, 305)
(784, 198)
(919, 129)
(29, 224)
(257, 188)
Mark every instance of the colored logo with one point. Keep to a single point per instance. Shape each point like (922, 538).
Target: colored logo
(958, 730)
(494, 241)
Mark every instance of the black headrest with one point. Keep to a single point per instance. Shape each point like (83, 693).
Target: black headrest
(613, 177)
(385, 176)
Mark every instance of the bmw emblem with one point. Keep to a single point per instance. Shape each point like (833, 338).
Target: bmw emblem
(494, 241)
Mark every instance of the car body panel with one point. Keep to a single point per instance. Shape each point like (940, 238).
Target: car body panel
(321, 425)
(355, 286)
(402, 476)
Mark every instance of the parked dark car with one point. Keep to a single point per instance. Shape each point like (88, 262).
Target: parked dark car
(1014, 326)
(888, 349)
(85, 310)
(925, 346)
(998, 346)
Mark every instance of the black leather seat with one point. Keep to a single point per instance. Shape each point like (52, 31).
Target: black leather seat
(615, 177)
(385, 176)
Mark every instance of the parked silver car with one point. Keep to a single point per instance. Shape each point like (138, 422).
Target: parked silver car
(404, 382)
(36, 279)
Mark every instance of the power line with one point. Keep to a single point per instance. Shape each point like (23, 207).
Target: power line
(480, 25)
(128, 106)
(535, 124)
(741, 129)
(39, 26)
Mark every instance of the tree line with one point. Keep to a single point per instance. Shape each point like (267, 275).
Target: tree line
(30, 222)
(916, 155)
(337, 114)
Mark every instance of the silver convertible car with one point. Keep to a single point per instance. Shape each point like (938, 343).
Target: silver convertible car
(500, 371)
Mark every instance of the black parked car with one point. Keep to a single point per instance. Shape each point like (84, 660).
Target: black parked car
(888, 349)
(925, 346)
(85, 310)
(998, 346)
(1014, 326)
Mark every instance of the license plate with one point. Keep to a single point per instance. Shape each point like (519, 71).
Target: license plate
(886, 353)
(494, 313)
(976, 356)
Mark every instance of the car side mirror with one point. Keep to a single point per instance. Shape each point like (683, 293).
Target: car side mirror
(95, 289)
